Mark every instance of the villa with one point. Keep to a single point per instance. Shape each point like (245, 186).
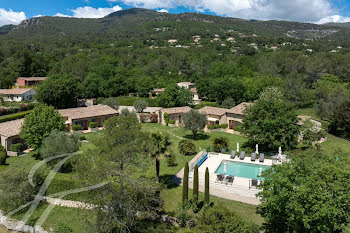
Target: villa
(191, 86)
(9, 133)
(29, 81)
(17, 94)
(157, 91)
(84, 115)
(215, 116)
(235, 115)
(174, 114)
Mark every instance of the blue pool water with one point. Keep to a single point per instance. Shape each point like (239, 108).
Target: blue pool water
(246, 170)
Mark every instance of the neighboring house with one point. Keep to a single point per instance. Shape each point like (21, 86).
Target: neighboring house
(235, 115)
(9, 132)
(17, 94)
(175, 114)
(215, 116)
(187, 85)
(157, 91)
(84, 115)
(29, 81)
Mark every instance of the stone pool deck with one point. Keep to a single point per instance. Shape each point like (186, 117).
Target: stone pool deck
(239, 190)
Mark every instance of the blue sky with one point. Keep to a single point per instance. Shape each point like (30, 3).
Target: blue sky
(318, 11)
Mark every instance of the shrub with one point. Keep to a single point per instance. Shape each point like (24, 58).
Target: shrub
(187, 147)
(93, 125)
(238, 128)
(172, 122)
(3, 155)
(14, 116)
(16, 147)
(76, 127)
(112, 102)
(154, 118)
(82, 138)
(220, 143)
(166, 117)
(171, 159)
(223, 126)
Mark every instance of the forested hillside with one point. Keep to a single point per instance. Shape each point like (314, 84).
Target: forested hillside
(135, 50)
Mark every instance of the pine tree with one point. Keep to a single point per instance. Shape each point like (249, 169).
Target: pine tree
(185, 185)
(206, 191)
(195, 185)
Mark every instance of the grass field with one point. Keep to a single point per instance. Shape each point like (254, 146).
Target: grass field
(308, 112)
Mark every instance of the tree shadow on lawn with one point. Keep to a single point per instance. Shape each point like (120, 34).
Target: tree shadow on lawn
(170, 181)
(198, 137)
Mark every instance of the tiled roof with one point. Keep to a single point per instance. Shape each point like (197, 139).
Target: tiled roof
(177, 110)
(213, 111)
(33, 78)
(11, 128)
(158, 90)
(87, 112)
(194, 90)
(239, 109)
(16, 91)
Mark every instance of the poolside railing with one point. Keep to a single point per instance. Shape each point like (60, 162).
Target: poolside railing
(196, 159)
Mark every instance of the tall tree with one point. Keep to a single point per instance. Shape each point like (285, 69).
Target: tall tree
(39, 124)
(162, 143)
(206, 187)
(60, 91)
(121, 149)
(271, 122)
(194, 121)
(307, 194)
(195, 185)
(340, 121)
(174, 96)
(185, 185)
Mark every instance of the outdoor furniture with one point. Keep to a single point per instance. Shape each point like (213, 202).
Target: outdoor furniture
(241, 157)
(229, 179)
(220, 178)
(255, 183)
(261, 158)
(233, 154)
(253, 157)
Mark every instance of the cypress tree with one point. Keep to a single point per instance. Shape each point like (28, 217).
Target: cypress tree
(185, 185)
(195, 185)
(206, 190)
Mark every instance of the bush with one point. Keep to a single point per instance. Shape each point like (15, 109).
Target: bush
(76, 127)
(219, 144)
(206, 103)
(187, 147)
(172, 122)
(3, 155)
(16, 147)
(112, 102)
(171, 158)
(93, 125)
(140, 105)
(14, 116)
(223, 126)
(238, 128)
(82, 138)
(154, 118)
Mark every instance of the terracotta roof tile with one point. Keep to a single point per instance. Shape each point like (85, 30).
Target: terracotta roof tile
(177, 110)
(239, 109)
(213, 110)
(16, 91)
(87, 112)
(11, 128)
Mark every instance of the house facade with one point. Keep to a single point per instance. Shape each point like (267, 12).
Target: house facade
(84, 115)
(215, 116)
(29, 81)
(17, 94)
(236, 114)
(174, 114)
(9, 133)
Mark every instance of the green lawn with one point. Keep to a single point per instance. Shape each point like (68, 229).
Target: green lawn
(171, 193)
(334, 144)
(308, 112)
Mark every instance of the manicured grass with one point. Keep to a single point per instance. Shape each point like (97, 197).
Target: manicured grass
(334, 144)
(308, 112)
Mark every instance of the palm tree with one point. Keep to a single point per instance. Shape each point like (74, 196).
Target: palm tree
(162, 143)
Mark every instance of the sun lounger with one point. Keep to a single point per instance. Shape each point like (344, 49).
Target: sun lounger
(261, 158)
(253, 157)
(220, 178)
(241, 157)
(233, 154)
(229, 179)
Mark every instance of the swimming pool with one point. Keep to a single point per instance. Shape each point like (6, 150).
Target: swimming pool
(245, 170)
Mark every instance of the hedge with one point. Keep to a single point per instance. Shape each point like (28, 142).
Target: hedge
(14, 116)
(223, 126)
(76, 127)
(93, 125)
(129, 101)
(16, 147)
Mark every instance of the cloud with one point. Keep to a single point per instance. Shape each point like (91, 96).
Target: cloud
(163, 11)
(90, 12)
(334, 19)
(11, 17)
(294, 10)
